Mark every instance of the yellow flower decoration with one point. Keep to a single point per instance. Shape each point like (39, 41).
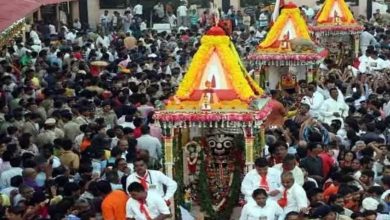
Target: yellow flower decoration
(298, 21)
(324, 13)
(230, 62)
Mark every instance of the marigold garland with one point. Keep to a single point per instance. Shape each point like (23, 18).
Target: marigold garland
(9, 33)
(255, 86)
(277, 28)
(324, 13)
(219, 44)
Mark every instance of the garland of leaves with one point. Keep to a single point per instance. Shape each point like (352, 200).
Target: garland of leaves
(178, 173)
(257, 146)
(11, 32)
(165, 132)
(234, 194)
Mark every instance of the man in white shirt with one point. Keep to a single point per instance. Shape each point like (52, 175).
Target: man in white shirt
(126, 121)
(261, 177)
(290, 164)
(386, 105)
(264, 208)
(104, 21)
(15, 170)
(15, 182)
(182, 15)
(52, 29)
(152, 180)
(159, 11)
(145, 205)
(366, 39)
(363, 60)
(138, 10)
(333, 108)
(325, 91)
(294, 197)
(386, 185)
(70, 36)
(77, 24)
(314, 99)
(102, 41)
(35, 37)
(149, 143)
(172, 20)
(373, 63)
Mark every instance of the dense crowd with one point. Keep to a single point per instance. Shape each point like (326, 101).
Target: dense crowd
(78, 138)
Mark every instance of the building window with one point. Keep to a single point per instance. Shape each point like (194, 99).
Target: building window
(113, 4)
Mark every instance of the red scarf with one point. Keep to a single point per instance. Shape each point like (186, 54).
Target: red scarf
(143, 181)
(283, 201)
(264, 183)
(142, 208)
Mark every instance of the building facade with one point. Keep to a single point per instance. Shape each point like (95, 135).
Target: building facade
(91, 10)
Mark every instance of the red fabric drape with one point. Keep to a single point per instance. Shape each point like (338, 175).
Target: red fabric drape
(15, 10)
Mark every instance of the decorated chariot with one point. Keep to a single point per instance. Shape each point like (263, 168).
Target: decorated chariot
(336, 29)
(288, 53)
(211, 129)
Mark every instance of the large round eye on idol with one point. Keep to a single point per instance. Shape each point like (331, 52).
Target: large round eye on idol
(227, 144)
(212, 143)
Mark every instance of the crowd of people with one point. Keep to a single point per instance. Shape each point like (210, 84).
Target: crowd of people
(329, 160)
(79, 141)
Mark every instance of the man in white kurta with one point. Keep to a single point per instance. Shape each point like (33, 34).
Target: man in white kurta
(314, 99)
(290, 164)
(271, 211)
(372, 63)
(333, 108)
(325, 92)
(367, 39)
(261, 177)
(294, 197)
(152, 180)
(145, 205)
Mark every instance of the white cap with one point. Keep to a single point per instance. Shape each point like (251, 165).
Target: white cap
(50, 121)
(370, 204)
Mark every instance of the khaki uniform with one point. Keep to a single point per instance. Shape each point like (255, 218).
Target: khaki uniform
(45, 137)
(59, 133)
(70, 159)
(29, 127)
(71, 130)
(110, 118)
(81, 120)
